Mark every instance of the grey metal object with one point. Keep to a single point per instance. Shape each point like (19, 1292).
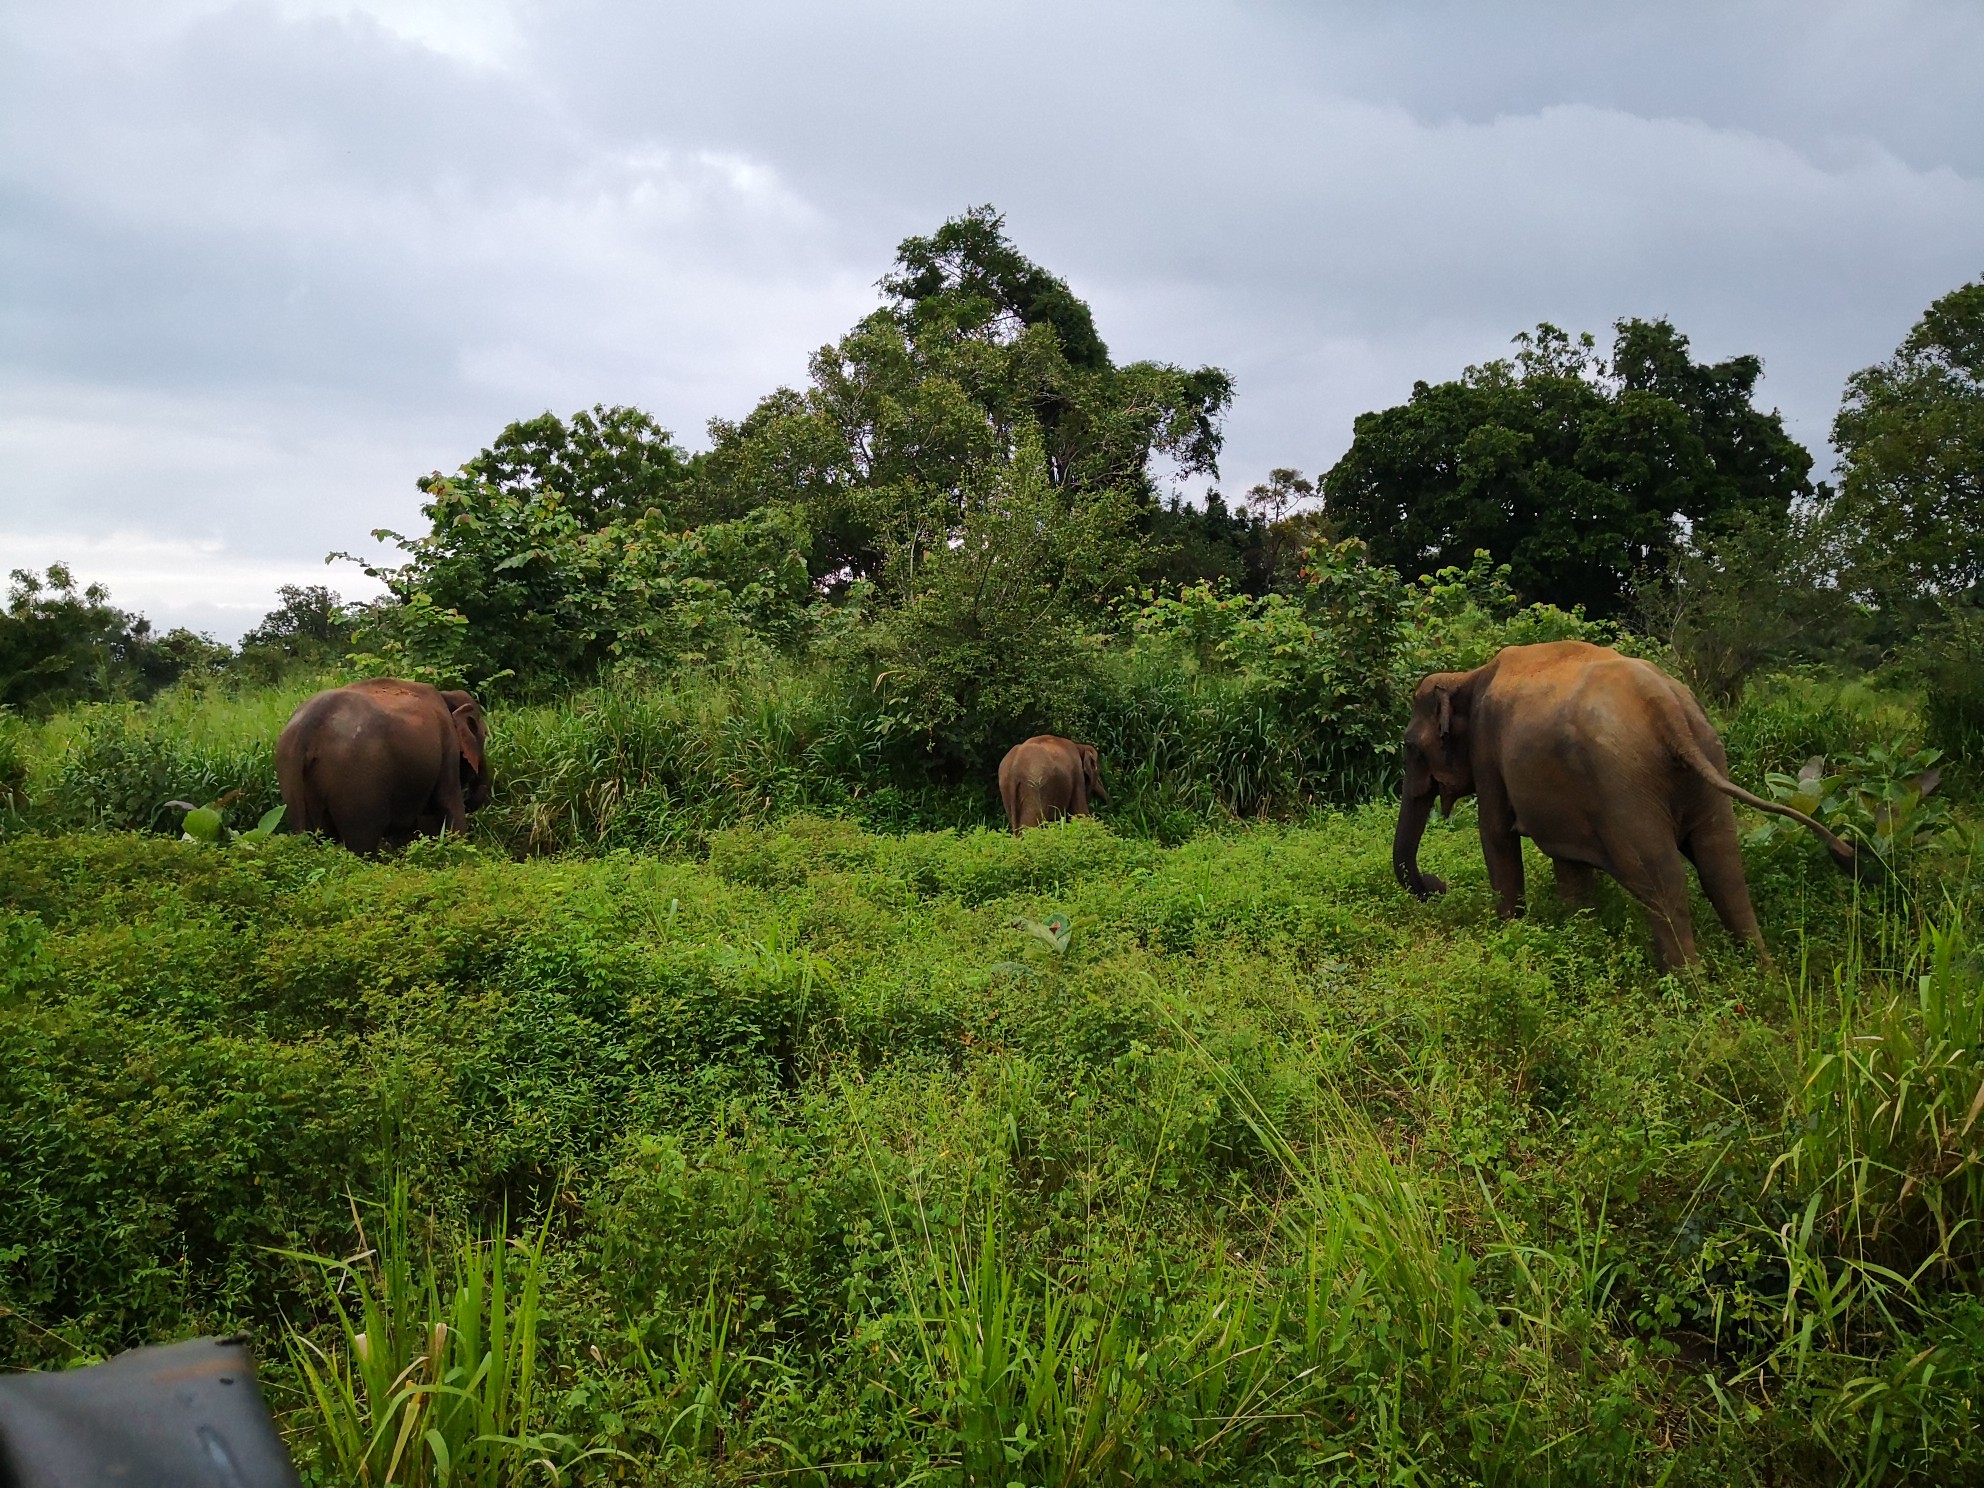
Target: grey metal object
(181, 1415)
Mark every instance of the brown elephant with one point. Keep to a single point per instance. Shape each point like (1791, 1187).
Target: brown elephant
(382, 761)
(1604, 762)
(1047, 778)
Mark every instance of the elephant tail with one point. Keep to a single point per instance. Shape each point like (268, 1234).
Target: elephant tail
(1689, 750)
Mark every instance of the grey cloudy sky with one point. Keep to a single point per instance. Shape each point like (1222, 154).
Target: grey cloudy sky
(261, 264)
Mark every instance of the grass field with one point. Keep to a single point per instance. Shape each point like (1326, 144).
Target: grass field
(821, 1155)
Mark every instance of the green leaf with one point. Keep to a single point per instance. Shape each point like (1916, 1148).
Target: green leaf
(204, 824)
(271, 819)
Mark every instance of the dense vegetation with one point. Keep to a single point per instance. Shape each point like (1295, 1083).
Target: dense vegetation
(738, 1103)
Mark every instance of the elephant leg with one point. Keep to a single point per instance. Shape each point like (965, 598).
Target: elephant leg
(1718, 859)
(1502, 848)
(1657, 876)
(448, 798)
(361, 835)
(1577, 883)
(355, 819)
(1030, 813)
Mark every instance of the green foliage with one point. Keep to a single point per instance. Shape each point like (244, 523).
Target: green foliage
(1758, 592)
(1785, 720)
(1208, 543)
(1321, 672)
(511, 583)
(1949, 659)
(311, 628)
(1892, 1095)
(207, 824)
(124, 768)
(987, 640)
(607, 465)
(953, 1154)
(61, 646)
(433, 1375)
(1885, 799)
(1575, 471)
(1910, 436)
(915, 415)
(15, 761)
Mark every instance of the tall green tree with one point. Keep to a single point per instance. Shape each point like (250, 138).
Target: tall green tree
(1910, 436)
(993, 637)
(604, 464)
(310, 626)
(975, 350)
(1578, 471)
(60, 645)
(512, 585)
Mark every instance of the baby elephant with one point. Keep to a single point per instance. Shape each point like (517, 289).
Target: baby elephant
(1047, 778)
(383, 760)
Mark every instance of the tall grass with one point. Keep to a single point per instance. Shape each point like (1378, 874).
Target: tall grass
(117, 765)
(434, 1373)
(1891, 1108)
(1088, 1369)
(1785, 720)
(1464, 1350)
(661, 762)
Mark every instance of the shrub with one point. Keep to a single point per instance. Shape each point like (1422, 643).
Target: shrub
(1786, 720)
(1950, 661)
(1891, 1140)
(123, 770)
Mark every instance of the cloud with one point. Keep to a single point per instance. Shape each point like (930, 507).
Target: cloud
(262, 265)
(192, 583)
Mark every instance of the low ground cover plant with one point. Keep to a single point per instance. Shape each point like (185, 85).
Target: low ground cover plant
(947, 1156)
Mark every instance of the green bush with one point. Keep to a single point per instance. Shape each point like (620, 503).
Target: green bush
(122, 770)
(1950, 660)
(1786, 720)
(1071, 1151)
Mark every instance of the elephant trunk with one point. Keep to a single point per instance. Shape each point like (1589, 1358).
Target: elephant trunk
(1412, 814)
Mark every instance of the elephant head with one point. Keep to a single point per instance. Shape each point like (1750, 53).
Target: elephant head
(472, 734)
(1092, 771)
(1439, 761)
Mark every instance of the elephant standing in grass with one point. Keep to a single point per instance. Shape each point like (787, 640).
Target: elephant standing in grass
(382, 761)
(1047, 778)
(1604, 762)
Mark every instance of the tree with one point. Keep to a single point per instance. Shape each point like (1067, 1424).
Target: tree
(1289, 526)
(1207, 543)
(990, 644)
(605, 465)
(1755, 592)
(59, 645)
(975, 350)
(511, 585)
(1910, 436)
(311, 626)
(1576, 472)
(561, 549)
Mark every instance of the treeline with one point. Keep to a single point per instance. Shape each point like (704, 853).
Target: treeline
(969, 504)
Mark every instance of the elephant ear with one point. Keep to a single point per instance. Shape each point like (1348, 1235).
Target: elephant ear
(469, 730)
(1092, 770)
(1446, 702)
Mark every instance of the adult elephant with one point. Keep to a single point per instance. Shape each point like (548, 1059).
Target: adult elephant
(383, 760)
(1047, 778)
(1604, 762)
